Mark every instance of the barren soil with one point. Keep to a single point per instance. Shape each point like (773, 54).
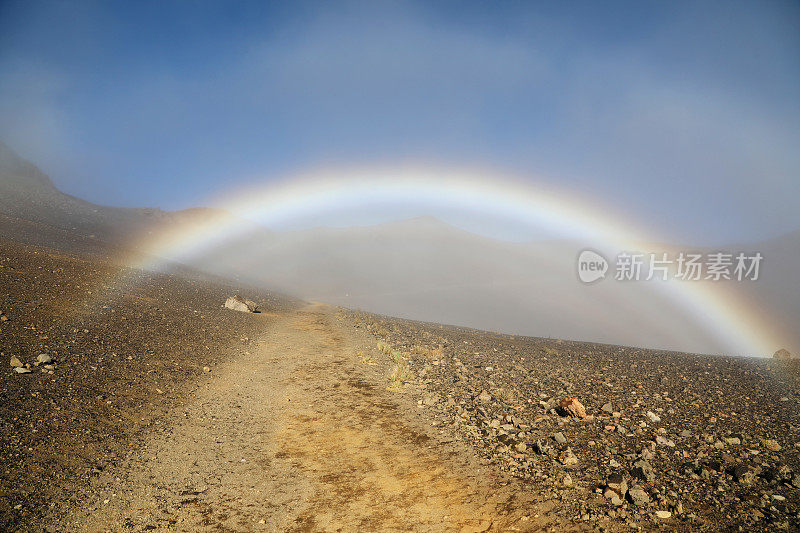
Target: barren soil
(298, 434)
(311, 418)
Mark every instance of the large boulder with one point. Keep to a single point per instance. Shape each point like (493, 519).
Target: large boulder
(237, 303)
(783, 354)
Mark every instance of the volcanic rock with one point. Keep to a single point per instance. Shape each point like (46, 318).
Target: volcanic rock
(567, 457)
(572, 407)
(638, 496)
(237, 303)
(542, 448)
(743, 474)
(643, 470)
(616, 488)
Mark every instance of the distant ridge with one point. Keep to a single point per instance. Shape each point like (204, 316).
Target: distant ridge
(28, 194)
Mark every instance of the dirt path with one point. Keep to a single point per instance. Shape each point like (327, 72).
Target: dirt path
(299, 435)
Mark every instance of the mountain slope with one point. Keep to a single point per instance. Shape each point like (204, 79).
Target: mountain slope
(30, 203)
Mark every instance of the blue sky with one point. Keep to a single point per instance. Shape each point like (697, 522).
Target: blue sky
(684, 114)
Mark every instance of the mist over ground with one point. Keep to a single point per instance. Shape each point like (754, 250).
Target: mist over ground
(680, 119)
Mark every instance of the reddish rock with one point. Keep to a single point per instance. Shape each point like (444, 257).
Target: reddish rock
(572, 407)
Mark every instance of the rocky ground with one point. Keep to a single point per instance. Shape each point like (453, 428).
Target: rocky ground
(94, 357)
(621, 437)
(135, 401)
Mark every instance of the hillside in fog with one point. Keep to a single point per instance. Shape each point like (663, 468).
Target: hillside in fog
(423, 269)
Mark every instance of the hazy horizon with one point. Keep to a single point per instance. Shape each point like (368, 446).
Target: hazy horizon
(610, 125)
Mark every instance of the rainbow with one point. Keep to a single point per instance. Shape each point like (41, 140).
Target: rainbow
(482, 192)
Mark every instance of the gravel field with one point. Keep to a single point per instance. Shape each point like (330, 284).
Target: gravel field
(121, 360)
(101, 362)
(668, 440)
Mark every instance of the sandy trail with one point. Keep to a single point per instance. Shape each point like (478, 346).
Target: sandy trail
(299, 435)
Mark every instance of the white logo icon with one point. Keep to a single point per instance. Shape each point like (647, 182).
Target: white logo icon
(591, 266)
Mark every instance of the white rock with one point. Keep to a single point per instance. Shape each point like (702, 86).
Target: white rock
(663, 514)
(664, 441)
(237, 303)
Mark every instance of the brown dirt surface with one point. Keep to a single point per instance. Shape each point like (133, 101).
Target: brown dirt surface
(300, 435)
(313, 418)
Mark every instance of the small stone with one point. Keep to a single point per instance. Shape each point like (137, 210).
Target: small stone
(572, 407)
(732, 440)
(542, 448)
(608, 408)
(567, 480)
(567, 457)
(685, 433)
(663, 514)
(653, 417)
(43, 358)
(643, 470)
(778, 497)
(206, 369)
(430, 400)
(22, 370)
(484, 396)
(743, 474)
(771, 444)
(638, 496)
(560, 438)
(15, 362)
(616, 488)
(664, 441)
